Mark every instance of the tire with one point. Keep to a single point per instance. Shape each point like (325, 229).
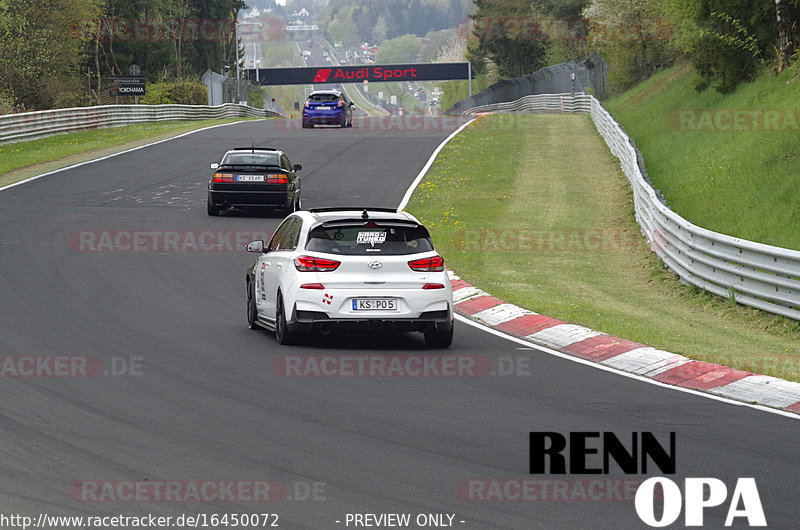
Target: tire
(213, 211)
(439, 338)
(305, 125)
(343, 123)
(282, 333)
(252, 310)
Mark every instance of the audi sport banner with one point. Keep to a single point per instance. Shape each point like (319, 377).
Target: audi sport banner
(378, 73)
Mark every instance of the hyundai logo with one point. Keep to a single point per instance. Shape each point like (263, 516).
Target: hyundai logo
(375, 265)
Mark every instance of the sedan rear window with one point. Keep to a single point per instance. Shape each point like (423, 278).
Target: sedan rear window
(251, 159)
(363, 240)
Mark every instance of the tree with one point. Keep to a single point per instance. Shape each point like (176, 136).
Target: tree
(40, 51)
(630, 35)
(505, 37)
(405, 49)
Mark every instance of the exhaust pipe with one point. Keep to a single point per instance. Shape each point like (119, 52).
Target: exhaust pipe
(325, 329)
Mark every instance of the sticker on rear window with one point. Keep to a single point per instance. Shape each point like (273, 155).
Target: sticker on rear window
(371, 238)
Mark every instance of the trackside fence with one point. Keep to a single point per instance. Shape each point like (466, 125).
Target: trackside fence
(753, 274)
(38, 124)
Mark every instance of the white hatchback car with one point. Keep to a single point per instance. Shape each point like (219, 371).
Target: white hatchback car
(350, 269)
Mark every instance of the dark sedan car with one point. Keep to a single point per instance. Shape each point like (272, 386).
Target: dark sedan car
(254, 178)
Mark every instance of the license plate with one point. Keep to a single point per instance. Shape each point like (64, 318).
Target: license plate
(374, 304)
(250, 178)
(323, 108)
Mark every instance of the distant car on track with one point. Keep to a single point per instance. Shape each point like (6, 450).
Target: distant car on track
(327, 107)
(254, 178)
(350, 269)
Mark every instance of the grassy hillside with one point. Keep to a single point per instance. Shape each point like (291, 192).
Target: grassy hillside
(729, 163)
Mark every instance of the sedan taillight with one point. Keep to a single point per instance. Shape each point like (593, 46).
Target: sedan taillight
(277, 179)
(432, 264)
(222, 177)
(312, 264)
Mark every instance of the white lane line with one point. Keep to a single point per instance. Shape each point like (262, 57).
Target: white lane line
(629, 375)
(428, 165)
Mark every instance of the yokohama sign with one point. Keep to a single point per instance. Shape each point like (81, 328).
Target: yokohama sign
(356, 74)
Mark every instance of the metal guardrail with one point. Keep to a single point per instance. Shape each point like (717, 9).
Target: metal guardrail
(38, 124)
(753, 274)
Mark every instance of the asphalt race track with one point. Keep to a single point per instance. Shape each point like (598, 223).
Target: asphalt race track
(205, 401)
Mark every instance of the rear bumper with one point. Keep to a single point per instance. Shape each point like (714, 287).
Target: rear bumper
(317, 321)
(324, 118)
(252, 199)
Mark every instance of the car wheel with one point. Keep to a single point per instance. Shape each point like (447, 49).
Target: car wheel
(439, 338)
(282, 333)
(252, 311)
(343, 123)
(212, 210)
(305, 125)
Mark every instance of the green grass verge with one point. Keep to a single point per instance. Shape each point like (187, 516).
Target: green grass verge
(741, 178)
(22, 160)
(536, 211)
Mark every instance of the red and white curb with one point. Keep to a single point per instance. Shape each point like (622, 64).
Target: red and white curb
(621, 354)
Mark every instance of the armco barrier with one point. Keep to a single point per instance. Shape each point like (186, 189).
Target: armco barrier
(754, 274)
(30, 125)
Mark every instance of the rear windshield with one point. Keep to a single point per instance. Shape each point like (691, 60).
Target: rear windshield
(323, 98)
(251, 159)
(362, 241)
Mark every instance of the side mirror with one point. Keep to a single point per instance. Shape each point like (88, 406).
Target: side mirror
(214, 166)
(297, 167)
(255, 246)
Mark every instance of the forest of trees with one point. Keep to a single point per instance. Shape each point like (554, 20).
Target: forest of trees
(725, 40)
(62, 52)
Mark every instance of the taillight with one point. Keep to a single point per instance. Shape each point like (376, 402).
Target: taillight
(277, 179)
(433, 264)
(312, 264)
(429, 286)
(306, 105)
(312, 286)
(340, 104)
(222, 177)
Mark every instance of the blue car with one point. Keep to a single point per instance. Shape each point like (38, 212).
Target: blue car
(327, 107)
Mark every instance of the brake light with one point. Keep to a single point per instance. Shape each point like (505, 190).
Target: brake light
(429, 286)
(277, 179)
(312, 264)
(340, 104)
(306, 105)
(222, 177)
(432, 264)
(312, 286)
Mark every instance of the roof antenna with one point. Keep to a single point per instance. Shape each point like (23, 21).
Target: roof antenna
(365, 215)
